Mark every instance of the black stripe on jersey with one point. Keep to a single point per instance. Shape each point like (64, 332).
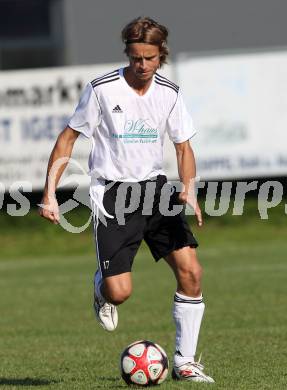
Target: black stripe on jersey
(166, 85)
(105, 81)
(106, 76)
(192, 301)
(166, 81)
(113, 73)
(161, 78)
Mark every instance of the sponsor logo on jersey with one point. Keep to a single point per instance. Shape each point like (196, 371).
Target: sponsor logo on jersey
(117, 110)
(138, 131)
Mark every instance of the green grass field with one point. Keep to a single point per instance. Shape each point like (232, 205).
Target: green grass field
(49, 338)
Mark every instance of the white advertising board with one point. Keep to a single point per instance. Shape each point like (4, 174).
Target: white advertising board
(238, 103)
(35, 106)
(239, 107)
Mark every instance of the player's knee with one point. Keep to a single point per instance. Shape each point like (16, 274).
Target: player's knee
(117, 289)
(117, 296)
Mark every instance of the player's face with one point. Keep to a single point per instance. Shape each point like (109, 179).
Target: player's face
(144, 60)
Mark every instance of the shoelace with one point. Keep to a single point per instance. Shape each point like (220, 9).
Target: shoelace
(196, 364)
(106, 309)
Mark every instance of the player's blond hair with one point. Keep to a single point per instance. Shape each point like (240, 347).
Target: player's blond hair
(146, 30)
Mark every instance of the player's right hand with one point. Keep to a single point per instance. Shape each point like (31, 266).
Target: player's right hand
(49, 209)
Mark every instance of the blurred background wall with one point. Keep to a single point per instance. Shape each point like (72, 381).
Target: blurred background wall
(42, 33)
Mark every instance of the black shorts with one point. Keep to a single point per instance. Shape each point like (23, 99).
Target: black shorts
(118, 243)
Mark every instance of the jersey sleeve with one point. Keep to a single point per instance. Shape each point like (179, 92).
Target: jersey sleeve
(179, 123)
(87, 115)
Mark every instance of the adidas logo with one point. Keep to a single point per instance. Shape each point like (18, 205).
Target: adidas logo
(117, 110)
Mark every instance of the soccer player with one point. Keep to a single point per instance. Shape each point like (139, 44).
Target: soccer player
(126, 113)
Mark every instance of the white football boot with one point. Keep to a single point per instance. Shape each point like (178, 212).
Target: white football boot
(106, 313)
(191, 372)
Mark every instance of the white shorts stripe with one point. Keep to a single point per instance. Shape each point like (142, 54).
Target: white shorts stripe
(95, 210)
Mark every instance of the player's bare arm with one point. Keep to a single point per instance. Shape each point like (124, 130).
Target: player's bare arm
(62, 150)
(187, 173)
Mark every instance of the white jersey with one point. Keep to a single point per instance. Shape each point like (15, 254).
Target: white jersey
(127, 129)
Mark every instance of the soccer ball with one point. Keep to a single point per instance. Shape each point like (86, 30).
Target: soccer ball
(144, 363)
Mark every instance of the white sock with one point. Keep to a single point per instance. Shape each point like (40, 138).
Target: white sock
(187, 314)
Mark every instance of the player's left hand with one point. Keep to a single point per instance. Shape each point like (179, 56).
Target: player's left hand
(187, 199)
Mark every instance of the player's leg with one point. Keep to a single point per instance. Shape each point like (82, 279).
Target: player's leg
(117, 289)
(187, 312)
(113, 281)
(116, 247)
(187, 270)
(188, 303)
(170, 237)
(108, 293)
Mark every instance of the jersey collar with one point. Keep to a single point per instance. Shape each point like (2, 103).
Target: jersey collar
(131, 90)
